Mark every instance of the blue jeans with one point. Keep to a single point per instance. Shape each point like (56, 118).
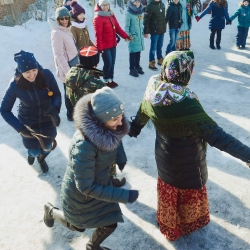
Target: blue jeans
(241, 36)
(37, 152)
(173, 34)
(156, 46)
(108, 57)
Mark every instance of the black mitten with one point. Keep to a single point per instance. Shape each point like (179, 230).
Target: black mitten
(133, 195)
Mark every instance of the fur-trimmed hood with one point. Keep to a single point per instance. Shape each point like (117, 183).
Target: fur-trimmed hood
(101, 137)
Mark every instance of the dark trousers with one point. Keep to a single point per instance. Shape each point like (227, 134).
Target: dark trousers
(68, 104)
(218, 38)
(241, 37)
(134, 60)
(108, 57)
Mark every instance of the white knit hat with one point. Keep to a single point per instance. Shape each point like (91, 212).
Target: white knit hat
(102, 2)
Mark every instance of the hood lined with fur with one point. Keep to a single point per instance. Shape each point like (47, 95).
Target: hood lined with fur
(101, 137)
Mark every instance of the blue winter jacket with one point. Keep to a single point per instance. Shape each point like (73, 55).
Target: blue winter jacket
(218, 16)
(33, 104)
(243, 14)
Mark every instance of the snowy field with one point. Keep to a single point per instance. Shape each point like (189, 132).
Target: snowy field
(222, 82)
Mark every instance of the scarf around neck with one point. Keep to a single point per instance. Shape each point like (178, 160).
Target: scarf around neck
(174, 110)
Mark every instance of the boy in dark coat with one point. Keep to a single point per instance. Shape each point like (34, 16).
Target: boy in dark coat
(155, 25)
(174, 20)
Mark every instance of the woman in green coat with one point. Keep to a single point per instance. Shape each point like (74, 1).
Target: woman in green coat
(134, 28)
(88, 198)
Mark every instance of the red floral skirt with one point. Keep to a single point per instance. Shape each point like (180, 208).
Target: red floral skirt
(183, 40)
(181, 211)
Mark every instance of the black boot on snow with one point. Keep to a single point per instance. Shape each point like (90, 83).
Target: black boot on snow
(31, 160)
(42, 163)
(98, 236)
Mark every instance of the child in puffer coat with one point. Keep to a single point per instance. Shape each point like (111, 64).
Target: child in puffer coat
(243, 14)
(78, 26)
(134, 28)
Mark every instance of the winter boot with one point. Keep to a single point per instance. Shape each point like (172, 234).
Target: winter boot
(52, 214)
(98, 236)
(160, 61)
(31, 160)
(112, 84)
(117, 182)
(42, 163)
(134, 72)
(140, 71)
(152, 65)
(218, 45)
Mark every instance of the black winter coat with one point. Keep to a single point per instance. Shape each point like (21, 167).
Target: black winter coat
(182, 162)
(154, 18)
(33, 104)
(174, 15)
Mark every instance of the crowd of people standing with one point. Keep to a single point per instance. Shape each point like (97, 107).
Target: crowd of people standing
(90, 198)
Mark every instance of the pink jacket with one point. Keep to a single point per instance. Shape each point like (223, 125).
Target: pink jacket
(64, 48)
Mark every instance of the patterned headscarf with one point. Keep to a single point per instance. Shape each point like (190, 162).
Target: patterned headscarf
(177, 67)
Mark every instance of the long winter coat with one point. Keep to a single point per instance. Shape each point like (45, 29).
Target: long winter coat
(186, 18)
(174, 15)
(181, 162)
(105, 28)
(134, 28)
(218, 16)
(88, 198)
(243, 14)
(154, 18)
(64, 48)
(33, 104)
(80, 33)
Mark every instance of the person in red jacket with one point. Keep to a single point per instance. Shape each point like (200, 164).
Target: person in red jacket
(106, 27)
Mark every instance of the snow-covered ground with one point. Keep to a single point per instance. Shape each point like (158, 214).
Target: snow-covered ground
(222, 82)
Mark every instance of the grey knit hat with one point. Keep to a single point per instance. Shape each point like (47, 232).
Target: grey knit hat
(106, 104)
(61, 11)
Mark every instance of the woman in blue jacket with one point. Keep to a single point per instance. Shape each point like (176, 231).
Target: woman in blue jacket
(40, 103)
(89, 199)
(219, 9)
(134, 28)
(243, 14)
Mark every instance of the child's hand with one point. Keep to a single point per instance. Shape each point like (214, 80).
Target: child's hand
(197, 18)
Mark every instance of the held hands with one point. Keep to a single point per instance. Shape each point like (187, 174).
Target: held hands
(197, 18)
(26, 132)
(133, 196)
(228, 22)
(146, 35)
(53, 114)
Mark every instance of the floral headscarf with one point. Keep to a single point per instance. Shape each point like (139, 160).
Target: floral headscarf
(177, 67)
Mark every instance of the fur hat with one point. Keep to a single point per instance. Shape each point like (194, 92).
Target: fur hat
(106, 105)
(76, 9)
(103, 1)
(89, 56)
(25, 61)
(61, 11)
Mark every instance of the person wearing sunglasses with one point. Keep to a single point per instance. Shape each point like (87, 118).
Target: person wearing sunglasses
(64, 49)
(106, 27)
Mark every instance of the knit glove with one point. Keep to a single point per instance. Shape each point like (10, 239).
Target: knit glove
(133, 195)
(121, 165)
(26, 132)
(228, 22)
(53, 114)
(135, 129)
(197, 18)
